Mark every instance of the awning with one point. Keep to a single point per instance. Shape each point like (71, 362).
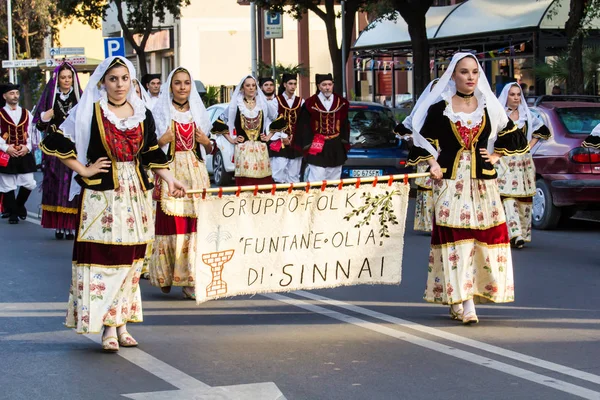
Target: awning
(472, 17)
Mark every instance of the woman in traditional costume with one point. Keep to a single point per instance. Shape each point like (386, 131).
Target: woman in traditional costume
(107, 140)
(424, 199)
(246, 118)
(593, 139)
(181, 124)
(61, 94)
(470, 256)
(516, 171)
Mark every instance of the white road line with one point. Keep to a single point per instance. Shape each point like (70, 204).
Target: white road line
(451, 351)
(456, 338)
(33, 218)
(156, 367)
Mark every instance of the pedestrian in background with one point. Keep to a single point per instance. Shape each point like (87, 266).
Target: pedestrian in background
(286, 159)
(17, 163)
(247, 116)
(470, 258)
(61, 94)
(107, 140)
(324, 132)
(516, 170)
(424, 199)
(181, 126)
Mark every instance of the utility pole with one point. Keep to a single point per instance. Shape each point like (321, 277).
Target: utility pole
(344, 84)
(11, 71)
(253, 38)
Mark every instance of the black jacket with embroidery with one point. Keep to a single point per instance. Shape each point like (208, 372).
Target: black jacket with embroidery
(149, 155)
(442, 133)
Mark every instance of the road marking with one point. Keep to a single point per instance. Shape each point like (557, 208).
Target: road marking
(189, 387)
(456, 338)
(33, 218)
(441, 348)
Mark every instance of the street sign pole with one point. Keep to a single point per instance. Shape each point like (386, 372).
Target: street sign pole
(253, 38)
(274, 60)
(11, 71)
(344, 55)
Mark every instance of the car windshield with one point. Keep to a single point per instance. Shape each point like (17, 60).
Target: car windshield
(372, 128)
(580, 120)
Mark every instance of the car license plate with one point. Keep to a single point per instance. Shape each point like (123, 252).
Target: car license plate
(362, 173)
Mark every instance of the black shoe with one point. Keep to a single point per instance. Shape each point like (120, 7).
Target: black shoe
(21, 200)
(58, 235)
(70, 236)
(13, 219)
(4, 215)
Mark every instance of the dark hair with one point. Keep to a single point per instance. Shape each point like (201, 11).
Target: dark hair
(65, 67)
(116, 63)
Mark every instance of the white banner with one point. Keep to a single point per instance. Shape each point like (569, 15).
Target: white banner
(281, 242)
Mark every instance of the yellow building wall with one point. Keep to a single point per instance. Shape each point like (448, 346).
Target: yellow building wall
(215, 42)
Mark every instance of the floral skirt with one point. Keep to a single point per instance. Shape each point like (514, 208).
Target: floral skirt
(57, 211)
(193, 174)
(173, 257)
(470, 254)
(423, 210)
(518, 217)
(516, 176)
(109, 253)
(252, 160)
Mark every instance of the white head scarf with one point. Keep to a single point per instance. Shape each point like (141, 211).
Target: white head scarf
(78, 125)
(596, 131)
(408, 120)
(144, 93)
(163, 109)
(498, 117)
(261, 103)
(533, 123)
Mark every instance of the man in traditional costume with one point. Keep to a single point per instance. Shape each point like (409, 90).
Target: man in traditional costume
(151, 82)
(324, 132)
(286, 160)
(267, 85)
(17, 163)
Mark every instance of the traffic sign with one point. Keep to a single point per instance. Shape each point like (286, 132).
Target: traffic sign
(66, 51)
(19, 63)
(114, 46)
(71, 60)
(273, 25)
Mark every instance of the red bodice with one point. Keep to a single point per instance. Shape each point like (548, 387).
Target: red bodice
(467, 134)
(184, 136)
(123, 145)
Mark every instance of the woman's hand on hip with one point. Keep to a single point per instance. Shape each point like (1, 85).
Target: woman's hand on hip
(101, 165)
(491, 158)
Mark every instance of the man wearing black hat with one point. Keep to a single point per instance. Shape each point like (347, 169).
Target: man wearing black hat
(152, 84)
(286, 160)
(17, 164)
(324, 132)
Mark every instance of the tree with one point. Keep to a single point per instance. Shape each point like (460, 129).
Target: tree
(413, 12)
(581, 13)
(138, 21)
(32, 21)
(329, 15)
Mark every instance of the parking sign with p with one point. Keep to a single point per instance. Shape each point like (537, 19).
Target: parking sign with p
(114, 47)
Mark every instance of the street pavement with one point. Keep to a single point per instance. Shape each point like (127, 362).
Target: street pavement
(359, 342)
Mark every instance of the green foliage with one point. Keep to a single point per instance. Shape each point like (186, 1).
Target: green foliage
(265, 69)
(212, 96)
(557, 70)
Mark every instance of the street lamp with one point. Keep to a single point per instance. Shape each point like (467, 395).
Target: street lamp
(11, 71)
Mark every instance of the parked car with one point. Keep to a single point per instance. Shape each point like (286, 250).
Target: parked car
(568, 175)
(220, 164)
(376, 149)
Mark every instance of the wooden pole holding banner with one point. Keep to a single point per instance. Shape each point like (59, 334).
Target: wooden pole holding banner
(306, 185)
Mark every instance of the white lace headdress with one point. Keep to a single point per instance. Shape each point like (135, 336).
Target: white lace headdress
(77, 127)
(498, 117)
(525, 115)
